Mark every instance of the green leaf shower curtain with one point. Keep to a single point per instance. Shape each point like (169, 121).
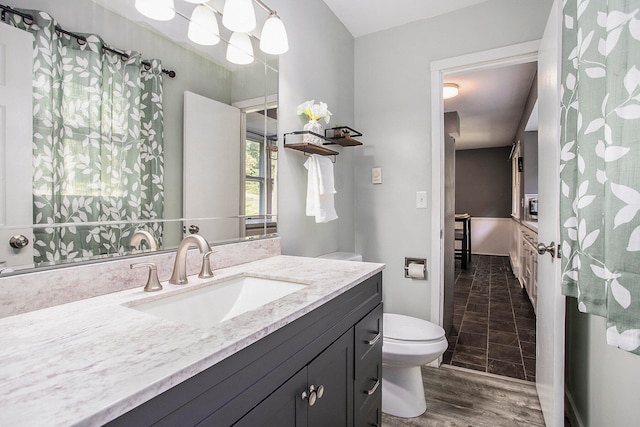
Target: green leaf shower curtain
(97, 145)
(600, 163)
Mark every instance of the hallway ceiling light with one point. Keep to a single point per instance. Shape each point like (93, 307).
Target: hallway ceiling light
(240, 49)
(160, 10)
(203, 28)
(449, 90)
(239, 16)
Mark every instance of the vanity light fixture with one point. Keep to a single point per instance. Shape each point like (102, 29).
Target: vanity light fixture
(203, 26)
(273, 39)
(240, 49)
(239, 16)
(449, 90)
(160, 10)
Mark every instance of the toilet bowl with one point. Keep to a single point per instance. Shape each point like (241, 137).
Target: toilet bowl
(408, 343)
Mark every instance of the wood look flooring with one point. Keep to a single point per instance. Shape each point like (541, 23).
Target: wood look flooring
(461, 397)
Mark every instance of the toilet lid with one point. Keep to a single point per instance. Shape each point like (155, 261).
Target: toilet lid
(408, 328)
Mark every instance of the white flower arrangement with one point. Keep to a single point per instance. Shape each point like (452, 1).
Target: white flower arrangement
(315, 111)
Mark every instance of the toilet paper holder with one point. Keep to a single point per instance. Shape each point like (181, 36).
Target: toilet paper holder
(419, 261)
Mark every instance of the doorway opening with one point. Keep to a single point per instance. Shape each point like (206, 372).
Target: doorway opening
(488, 316)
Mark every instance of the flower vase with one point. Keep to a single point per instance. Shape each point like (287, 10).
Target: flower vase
(315, 127)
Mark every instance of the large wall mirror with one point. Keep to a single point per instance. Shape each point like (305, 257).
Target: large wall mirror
(106, 150)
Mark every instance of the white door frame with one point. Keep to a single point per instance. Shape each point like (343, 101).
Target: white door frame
(504, 56)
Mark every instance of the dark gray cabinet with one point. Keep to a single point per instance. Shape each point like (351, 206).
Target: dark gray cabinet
(368, 369)
(319, 395)
(333, 346)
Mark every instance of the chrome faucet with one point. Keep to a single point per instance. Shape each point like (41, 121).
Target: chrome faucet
(179, 275)
(141, 235)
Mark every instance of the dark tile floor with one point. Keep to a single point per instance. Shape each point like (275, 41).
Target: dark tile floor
(494, 323)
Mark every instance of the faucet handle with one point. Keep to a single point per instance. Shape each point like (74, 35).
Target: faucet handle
(153, 284)
(205, 271)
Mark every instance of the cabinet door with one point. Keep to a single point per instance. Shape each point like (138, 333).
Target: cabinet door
(283, 408)
(333, 370)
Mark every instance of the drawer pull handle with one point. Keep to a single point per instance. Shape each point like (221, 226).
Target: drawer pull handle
(374, 388)
(374, 340)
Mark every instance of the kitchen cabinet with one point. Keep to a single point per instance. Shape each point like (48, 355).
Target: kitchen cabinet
(337, 346)
(530, 264)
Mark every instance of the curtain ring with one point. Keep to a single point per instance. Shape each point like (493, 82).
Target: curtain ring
(28, 19)
(82, 40)
(124, 56)
(147, 66)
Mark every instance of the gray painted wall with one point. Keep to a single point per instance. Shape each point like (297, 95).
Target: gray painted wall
(392, 91)
(319, 65)
(602, 380)
(483, 182)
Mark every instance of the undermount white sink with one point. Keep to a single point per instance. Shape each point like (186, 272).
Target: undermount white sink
(219, 301)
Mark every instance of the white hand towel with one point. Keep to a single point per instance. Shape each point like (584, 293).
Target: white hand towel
(320, 189)
(325, 175)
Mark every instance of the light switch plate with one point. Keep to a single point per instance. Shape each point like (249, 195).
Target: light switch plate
(421, 199)
(376, 175)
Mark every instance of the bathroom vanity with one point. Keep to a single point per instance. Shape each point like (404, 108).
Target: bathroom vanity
(312, 357)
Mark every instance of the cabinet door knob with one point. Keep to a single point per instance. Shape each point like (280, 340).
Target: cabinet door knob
(320, 391)
(310, 397)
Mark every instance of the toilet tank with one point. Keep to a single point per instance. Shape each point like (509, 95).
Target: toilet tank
(345, 256)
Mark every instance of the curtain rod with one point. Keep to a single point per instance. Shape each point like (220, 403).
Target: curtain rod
(28, 19)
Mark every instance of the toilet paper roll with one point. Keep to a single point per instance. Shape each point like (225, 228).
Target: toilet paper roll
(416, 270)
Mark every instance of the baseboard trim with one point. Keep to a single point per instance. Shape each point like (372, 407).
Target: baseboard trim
(489, 254)
(571, 411)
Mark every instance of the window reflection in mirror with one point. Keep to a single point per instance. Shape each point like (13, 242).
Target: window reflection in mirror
(260, 164)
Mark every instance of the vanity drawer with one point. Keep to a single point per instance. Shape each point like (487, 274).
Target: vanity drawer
(368, 368)
(368, 337)
(372, 417)
(368, 386)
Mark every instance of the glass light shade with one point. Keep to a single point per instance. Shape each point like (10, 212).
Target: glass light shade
(273, 39)
(240, 50)
(449, 90)
(160, 10)
(239, 16)
(203, 27)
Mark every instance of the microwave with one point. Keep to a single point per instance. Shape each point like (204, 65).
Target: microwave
(531, 203)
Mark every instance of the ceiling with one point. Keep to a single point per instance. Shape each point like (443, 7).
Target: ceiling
(490, 103)
(363, 17)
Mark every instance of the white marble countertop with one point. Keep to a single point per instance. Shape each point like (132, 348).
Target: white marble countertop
(87, 362)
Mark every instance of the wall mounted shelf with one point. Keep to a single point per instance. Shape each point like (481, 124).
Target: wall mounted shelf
(306, 147)
(342, 135)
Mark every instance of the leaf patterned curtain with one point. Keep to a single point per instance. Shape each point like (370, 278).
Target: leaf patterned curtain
(600, 163)
(97, 144)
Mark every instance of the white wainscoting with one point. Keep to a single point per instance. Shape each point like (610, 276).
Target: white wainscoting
(490, 236)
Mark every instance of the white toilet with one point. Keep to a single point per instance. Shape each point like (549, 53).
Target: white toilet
(408, 343)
